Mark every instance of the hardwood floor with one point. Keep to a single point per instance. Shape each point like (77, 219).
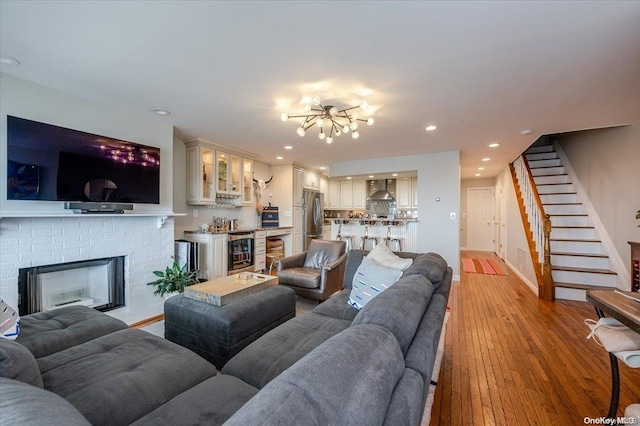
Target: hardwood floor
(511, 358)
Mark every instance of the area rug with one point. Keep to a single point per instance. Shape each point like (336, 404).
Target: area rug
(481, 266)
(426, 416)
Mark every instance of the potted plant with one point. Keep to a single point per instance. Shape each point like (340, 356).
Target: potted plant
(174, 279)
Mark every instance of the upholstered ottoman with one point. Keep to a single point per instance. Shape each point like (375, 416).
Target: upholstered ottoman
(217, 333)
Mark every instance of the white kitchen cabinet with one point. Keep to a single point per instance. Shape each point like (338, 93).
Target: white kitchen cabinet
(298, 236)
(260, 250)
(229, 173)
(414, 193)
(200, 175)
(332, 200)
(213, 254)
(311, 181)
(359, 195)
(324, 188)
(247, 182)
(403, 193)
(298, 185)
(326, 232)
(353, 194)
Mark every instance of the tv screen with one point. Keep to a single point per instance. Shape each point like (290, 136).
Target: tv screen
(52, 163)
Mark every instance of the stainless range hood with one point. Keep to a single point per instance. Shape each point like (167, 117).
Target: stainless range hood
(381, 194)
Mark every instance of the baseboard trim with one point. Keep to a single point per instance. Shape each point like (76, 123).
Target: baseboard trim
(532, 286)
(148, 321)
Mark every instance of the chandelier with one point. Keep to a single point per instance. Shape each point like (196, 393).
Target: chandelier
(330, 120)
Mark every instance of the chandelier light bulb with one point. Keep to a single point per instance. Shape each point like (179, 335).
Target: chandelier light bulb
(333, 111)
(355, 135)
(345, 129)
(307, 108)
(284, 116)
(315, 101)
(319, 122)
(300, 131)
(353, 125)
(321, 135)
(329, 139)
(364, 105)
(370, 121)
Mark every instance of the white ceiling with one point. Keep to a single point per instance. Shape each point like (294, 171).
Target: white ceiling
(481, 71)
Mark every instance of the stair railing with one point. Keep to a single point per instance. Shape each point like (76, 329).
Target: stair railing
(539, 229)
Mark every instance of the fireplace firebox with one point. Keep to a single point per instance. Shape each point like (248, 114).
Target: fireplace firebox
(97, 283)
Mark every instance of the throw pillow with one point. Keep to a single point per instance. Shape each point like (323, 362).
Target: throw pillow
(370, 280)
(9, 321)
(382, 255)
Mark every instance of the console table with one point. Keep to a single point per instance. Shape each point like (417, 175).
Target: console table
(627, 312)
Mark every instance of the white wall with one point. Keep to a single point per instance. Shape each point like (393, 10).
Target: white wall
(438, 176)
(24, 99)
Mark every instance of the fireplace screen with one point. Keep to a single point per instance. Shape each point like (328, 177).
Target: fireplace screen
(97, 283)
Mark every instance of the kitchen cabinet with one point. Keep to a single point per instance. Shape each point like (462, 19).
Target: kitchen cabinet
(298, 236)
(326, 232)
(324, 188)
(200, 175)
(260, 250)
(247, 182)
(407, 193)
(213, 253)
(353, 194)
(229, 174)
(311, 181)
(332, 200)
(298, 185)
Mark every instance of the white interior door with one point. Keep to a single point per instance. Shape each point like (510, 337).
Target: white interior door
(480, 219)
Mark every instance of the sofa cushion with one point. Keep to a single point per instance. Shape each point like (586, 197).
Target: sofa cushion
(301, 277)
(354, 260)
(382, 255)
(399, 309)
(321, 253)
(211, 402)
(279, 349)
(9, 321)
(48, 332)
(16, 362)
(120, 377)
(431, 265)
(337, 307)
(369, 281)
(347, 380)
(22, 404)
(406, 406)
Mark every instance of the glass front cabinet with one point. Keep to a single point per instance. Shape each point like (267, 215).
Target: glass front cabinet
(212, 173)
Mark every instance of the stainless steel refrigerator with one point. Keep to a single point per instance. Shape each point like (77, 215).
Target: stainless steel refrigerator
(313, 216)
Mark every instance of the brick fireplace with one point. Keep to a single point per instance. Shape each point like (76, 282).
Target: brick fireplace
(145, 242)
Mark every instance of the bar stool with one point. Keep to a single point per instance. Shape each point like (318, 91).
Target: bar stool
(388, 241)
(348, 239)
(367, 239)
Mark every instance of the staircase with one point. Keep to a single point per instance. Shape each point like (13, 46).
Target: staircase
(578, 262)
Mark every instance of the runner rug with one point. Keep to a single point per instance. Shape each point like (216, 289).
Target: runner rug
(481, 266)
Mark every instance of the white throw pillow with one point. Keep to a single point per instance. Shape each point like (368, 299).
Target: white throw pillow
(9, 321)
(382, 255)
(370, 280)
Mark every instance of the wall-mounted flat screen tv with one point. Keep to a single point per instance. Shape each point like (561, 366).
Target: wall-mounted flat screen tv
(52, 163)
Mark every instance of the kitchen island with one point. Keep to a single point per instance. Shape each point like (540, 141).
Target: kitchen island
(405, 230)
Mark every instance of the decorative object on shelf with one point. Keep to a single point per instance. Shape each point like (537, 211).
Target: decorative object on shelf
(330, 120)
(173, 279)
(260, 186)
(638, 216)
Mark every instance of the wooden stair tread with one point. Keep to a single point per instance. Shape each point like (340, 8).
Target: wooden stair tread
(573, 227)
(559, 193)
(561, 204)
(542, 167)
(554, 183)
(582, 286)
(563, 253)
(575, 239)
(589, 270)
(568, 214)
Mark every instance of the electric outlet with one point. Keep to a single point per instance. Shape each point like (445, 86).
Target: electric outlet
(452, 215)
(195, 212)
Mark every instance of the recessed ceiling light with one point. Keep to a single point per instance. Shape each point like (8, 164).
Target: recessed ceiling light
(431, 128)
(394, 174)
(9, 60)
(526, 132)
(348, 177)
(323, 168)
(477, 174)
(370, 176)
(480, 168)
(486, 159)
(162, 112)
(494, 145)
(279, 157)
(288, 147)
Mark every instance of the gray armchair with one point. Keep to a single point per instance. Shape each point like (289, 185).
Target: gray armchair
(316, 273)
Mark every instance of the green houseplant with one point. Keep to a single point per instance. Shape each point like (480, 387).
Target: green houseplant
(173, 279)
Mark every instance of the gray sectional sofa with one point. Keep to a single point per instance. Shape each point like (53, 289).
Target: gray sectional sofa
(335, 365)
